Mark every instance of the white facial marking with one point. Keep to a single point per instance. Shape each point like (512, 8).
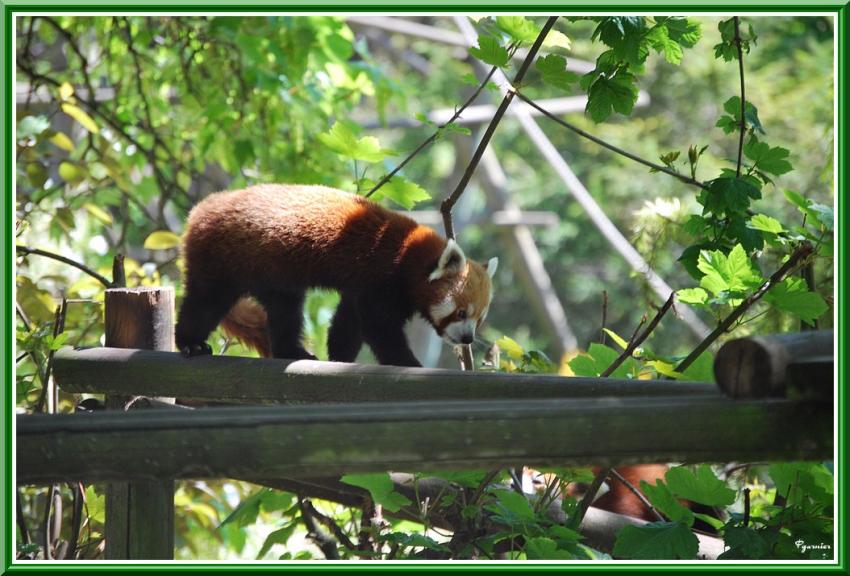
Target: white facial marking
(442, 310)
(456, 331)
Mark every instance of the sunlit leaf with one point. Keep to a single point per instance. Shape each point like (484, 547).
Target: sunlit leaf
(162, 240)
(80, 116)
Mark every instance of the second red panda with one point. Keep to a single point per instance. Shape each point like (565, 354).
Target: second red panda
(273, 242)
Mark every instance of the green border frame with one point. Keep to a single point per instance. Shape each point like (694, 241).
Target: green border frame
(9, 7)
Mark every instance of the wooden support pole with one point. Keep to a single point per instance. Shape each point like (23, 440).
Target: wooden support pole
(267, 380)
(336, 439)
(778, 365)
(140, 514)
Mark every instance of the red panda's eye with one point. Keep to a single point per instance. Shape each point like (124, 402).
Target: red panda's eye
(461, 314)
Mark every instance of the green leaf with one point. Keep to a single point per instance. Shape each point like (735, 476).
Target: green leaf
(510, 347)
(71, 172)
(751, 115)
(37, 174)
(662, 498)
(732, 273)
(99, 213)
(490, 51)
(31, 126)
(665, 369)
(701, 486)
(685, 31)
(792, 295)
(598, 358)
(519, 28)
(727, 124)
(344, 142)
(772, 160)
(510, 508)
(692, 296)
(84, 119)
(744, 543)
(162, 240)
(380, 487)
(279, 536)
(700, 370)
(766, 224)
(607, 95)
(660, 40)
(403, 192)
(555, 39)
(657, 541)
(728, 195)
(553, 71)
(616, 338)
(541, 548)
(799, 481)
(246, 512)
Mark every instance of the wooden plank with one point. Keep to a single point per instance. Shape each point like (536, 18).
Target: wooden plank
(774, 365)
(255, 380)
(330, 440)
(139, 515)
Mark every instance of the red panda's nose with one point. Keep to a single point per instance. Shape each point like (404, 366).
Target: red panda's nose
(467, 338)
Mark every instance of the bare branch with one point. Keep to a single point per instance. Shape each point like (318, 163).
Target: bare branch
(386, 178)
(604, 144)
(38, 252)
(638, 340)
(743, 98)
(448, 203)
(638, 494)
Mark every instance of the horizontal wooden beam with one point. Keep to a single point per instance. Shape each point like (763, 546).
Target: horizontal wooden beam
(331, 440)
(255, 380)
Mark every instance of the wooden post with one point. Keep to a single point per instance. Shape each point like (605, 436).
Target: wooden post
(139, 514)
(796, 365)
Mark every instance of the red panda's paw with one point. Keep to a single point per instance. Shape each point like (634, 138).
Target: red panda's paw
(202, 349)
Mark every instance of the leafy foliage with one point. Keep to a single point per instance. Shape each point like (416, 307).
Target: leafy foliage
(122, 145)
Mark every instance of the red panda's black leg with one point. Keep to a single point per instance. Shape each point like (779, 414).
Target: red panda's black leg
(203, 307)
(284, 309)
(382, 323)
(344, 335)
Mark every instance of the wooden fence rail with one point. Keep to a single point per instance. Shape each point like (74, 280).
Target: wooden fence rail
(331, 440)
(254, 380)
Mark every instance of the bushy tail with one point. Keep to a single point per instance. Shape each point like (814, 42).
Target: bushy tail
(248, 322)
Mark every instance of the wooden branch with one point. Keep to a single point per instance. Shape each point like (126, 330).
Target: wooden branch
(261, 380)
(773, 365)
(800, 254)
(639, 339)
(448, 203)
(314, 441)
(386, 178)
(604, 144)
(37, 252)
(743, 125)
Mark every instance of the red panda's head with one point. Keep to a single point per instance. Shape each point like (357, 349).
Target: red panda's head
(459, 295)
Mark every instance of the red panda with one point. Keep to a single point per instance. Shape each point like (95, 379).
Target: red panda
(273, 242)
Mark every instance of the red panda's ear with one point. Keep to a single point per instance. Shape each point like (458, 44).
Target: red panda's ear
(492, 264)
(452, 261)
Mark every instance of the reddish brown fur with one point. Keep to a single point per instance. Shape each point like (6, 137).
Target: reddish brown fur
(621, 500)
(274, 240)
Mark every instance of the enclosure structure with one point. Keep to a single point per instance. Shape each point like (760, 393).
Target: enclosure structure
(299, 425)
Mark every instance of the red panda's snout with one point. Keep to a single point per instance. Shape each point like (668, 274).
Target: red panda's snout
(463, 297)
